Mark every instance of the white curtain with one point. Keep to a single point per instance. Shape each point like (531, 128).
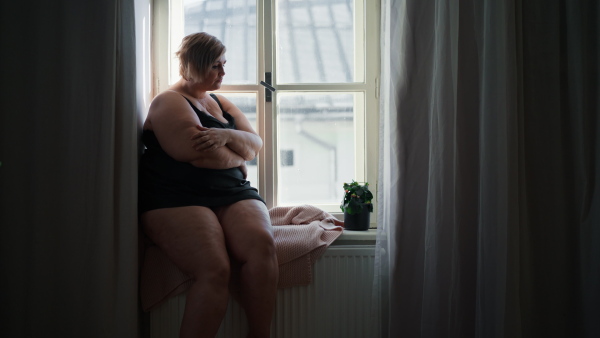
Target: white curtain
(489, 187)
(68, 172)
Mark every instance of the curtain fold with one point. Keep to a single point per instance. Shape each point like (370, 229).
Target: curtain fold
(68, 173)
(489, 170)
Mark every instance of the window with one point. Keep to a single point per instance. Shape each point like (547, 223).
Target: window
(320, 125)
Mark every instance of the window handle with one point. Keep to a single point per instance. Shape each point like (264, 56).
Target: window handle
(268, 88)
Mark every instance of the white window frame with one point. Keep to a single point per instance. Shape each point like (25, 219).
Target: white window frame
(367, 120)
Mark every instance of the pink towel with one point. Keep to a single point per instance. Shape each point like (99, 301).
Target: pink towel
(302, 234)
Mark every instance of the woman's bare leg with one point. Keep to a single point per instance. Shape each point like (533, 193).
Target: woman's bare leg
(193, 239)
(249, 237)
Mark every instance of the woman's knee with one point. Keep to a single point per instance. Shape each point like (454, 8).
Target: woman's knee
(263, 250)
(268, 245)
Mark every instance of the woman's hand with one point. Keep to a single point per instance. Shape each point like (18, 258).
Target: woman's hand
(210, 138)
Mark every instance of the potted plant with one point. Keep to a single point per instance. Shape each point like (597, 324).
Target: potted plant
(357, 206)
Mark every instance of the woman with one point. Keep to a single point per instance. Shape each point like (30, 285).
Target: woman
(195, 203)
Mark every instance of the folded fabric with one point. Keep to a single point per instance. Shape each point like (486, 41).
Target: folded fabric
(302, 234)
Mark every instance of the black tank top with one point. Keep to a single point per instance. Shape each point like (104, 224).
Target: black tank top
(167, 183)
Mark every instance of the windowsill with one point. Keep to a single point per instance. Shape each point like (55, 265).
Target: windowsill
(350, 237)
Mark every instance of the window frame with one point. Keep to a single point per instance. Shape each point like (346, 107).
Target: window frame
(366, 142)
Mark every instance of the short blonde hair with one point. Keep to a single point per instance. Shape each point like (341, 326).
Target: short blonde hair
(197, 53)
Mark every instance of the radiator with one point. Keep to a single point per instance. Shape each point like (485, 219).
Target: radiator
(338, 303)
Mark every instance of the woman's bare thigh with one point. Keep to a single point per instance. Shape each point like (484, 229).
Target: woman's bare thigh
(247, 227)
(191, 237)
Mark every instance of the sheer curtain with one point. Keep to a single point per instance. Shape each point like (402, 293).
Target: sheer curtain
(489, 186)
(68, 172)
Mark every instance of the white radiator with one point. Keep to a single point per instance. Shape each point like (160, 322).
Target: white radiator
(338, 303)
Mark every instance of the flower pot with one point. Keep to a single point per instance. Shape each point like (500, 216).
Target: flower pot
(359, 221)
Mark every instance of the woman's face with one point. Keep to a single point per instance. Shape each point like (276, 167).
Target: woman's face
(214, 77)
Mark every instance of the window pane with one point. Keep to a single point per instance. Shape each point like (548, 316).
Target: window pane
(316, 146)
(247, 104)
(234, 23)
(315, 41)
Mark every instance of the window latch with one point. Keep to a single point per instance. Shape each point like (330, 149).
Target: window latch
(268, 88)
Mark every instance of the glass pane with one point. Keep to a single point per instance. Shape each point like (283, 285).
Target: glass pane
(234, 23)
(316, 146)
(315, 41)
(247, 104)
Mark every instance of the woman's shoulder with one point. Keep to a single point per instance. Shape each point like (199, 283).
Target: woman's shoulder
(168, 105)
(168, 96)
(167, 100)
